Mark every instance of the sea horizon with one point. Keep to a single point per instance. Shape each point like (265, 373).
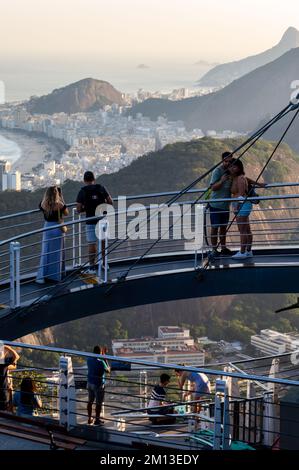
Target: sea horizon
(9, 150)
(37, 80)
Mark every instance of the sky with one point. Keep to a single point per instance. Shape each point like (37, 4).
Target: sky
(46, 44)
(142, 31)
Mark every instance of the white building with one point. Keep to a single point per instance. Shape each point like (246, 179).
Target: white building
(173, 345)
(272, 342)
(173, 332)
(9, 180)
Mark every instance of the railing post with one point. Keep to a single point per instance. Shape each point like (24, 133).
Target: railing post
(103, 236)
(80, 240)
(74, 228)
(221, 419)
(14, 254)
(197, 244)
(74, 236)
(143, 388)
(67, 393)
(226, 421)
(270, 419)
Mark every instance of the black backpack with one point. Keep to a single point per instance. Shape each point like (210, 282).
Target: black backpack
(94, 196)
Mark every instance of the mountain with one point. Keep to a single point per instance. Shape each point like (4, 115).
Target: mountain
(240, 106)
(205, 63)
(86, 95)
(223, 74)
(276, 131)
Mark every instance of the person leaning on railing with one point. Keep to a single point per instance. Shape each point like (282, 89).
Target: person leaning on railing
(200, 386)
(242, 209)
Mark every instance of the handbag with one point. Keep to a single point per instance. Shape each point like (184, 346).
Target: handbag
(63, 228)
(251, 193)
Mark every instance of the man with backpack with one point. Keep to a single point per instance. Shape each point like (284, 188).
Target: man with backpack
(88, 199)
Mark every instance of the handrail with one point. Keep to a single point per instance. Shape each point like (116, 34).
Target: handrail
(213, 372)
(205, 201)
(145, 196)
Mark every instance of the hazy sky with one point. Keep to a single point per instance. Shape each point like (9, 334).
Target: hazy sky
(142, 30)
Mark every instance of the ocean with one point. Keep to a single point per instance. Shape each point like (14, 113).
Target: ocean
(23, 80)
(9, 150)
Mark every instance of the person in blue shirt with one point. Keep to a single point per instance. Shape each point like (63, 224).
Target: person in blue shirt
(26, 400)
(200, 385)
(96, 378)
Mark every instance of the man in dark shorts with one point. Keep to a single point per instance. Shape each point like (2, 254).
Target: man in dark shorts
(8, 361)
(96, 379)
(219, 211)
(88, 199)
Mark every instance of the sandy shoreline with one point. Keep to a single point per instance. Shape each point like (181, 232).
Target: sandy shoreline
(33, 149)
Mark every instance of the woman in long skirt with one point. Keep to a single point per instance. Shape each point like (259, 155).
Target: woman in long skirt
(52, 262)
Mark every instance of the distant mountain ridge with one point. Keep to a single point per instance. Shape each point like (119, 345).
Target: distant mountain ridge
(223, 74)
(240, 106)
(85, 95)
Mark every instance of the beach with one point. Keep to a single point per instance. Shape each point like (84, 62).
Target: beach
(26, 151)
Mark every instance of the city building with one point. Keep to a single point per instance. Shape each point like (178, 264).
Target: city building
(272, 342)
(9, 180)
(105, 140)
(173, 345)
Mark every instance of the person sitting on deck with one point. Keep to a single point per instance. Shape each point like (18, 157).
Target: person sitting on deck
(200, 385)
(157, 399)
(26, 400)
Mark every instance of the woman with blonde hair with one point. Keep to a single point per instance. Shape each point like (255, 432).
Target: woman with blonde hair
(52, 263)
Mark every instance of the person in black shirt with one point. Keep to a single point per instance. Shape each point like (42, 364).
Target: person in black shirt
(8, 361)
(88, 199)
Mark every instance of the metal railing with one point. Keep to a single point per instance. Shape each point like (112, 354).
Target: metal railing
(237, 412)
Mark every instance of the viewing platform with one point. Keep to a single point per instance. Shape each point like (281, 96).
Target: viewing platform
(142, 270)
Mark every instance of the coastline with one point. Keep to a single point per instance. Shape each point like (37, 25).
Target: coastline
(34, 147)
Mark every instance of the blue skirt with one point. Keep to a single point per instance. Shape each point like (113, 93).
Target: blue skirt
(52, 261)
